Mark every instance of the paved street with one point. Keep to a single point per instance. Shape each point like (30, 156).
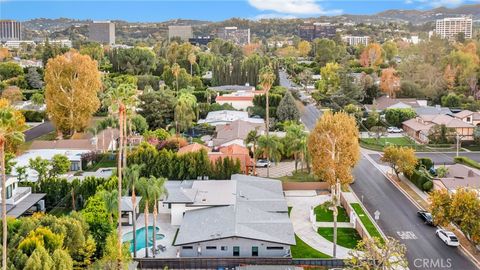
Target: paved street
(310, 113)
(438, 158)
(398, 219)
(38, 131)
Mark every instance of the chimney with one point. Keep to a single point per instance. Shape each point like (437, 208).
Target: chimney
(470, 173)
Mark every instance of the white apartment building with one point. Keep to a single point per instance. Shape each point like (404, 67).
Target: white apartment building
(356, 40)
(450, 27)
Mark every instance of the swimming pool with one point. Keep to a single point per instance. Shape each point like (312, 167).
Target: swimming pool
(128, 237)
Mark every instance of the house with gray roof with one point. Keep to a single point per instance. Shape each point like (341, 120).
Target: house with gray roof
(246, 216)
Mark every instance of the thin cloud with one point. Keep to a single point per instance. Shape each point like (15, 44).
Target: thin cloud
(273, 16)
(300, 7)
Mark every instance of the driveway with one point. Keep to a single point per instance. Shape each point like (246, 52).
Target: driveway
(38, 131)
(278, 170)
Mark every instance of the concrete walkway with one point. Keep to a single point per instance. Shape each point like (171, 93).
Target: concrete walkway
(330, 224)
(300, 216)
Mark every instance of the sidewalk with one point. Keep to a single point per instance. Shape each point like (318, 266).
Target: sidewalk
(300, 216)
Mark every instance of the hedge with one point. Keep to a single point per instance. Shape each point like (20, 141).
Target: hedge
(421, 180)
(467, 161)
(34, 116)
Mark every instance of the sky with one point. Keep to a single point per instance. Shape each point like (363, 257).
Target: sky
(210, 10)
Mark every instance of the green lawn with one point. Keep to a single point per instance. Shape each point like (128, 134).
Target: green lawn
(372, 230)
(374, 144)
(300, 176)
(302, 250)
(346, 237)
(104, 163)
(326, 215)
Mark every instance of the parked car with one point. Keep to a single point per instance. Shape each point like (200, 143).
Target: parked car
(426, 217)
(448, 237)
(394, 130)
(263, 163)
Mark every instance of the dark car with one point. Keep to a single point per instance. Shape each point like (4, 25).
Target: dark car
(426, 217)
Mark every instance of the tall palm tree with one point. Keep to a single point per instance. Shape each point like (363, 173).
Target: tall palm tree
(176, 72)
(110, 199)
(270, 147)
(117, 100)
(252, 138)
(192, 58)
(296, 138)
(151, 190)
(267, 78)
(131, 175)
(10, 131)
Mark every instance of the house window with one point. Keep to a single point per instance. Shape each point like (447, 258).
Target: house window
(211, 247)
(187, 247)
(75, 166)
(254, 251)
(9, 191)
(236, 251)
(223, 248)
(274, 248)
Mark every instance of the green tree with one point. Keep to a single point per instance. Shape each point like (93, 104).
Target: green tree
(296, 142)
(39, 260)
(390, 49)
(135, 61)
(270, 147)
(327, 51)
(374, 253)
(37, 99)
(98, 219)
(112, 256)
(184, 116)
(34, 79)
(267, 78)
(10, 70)
(132, 175)
(451, 100)
(395, 117)
(252, 139)
(94, 50)
(287, 109)
(441, 134)
(59, 165)
(62, 260)
(158, 108)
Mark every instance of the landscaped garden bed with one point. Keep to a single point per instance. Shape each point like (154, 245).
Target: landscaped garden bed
(367, 223)
(346, 237)
(325, 214)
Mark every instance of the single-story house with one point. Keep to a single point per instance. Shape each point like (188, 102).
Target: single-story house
(243, 217)
(469, 117)
(384, 102)
(432, 110)
(458, 176)
(223, 117)
(233, 88)
(235, 132)
(420, 127)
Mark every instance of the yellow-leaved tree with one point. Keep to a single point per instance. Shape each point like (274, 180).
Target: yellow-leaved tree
(72, 81)
(334, 149)
(400, 159)
(304, 48)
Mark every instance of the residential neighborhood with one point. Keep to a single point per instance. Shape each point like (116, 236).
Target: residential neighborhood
(240, 135)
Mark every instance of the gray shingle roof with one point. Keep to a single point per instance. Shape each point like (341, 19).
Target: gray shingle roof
(259, 211)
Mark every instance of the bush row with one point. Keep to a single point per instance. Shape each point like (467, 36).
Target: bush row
(34, 116)
(421, 180)
(467, 161)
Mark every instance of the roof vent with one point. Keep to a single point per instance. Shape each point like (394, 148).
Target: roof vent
(470, 173)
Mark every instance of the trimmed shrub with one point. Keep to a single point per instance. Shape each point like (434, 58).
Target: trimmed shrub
(419, 179)
(427, 186)
(426, 162)
(34, 116)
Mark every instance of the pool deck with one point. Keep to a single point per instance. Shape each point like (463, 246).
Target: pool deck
(163, 222)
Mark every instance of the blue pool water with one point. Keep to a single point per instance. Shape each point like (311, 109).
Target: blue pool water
(128, 237)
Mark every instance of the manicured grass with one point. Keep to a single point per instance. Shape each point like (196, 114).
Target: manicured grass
(289, 210)
(346, 237)
(372, 230)
(401, 141)
(300, 176)
(106, 162)
(326, 215)
(302, 250)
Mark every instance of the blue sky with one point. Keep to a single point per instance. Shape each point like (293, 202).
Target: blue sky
(212, 10)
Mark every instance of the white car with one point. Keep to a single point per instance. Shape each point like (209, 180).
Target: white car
(263, 163)
(448, 237)
(394, 130)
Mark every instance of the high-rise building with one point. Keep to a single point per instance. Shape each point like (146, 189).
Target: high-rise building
(10, 30)
(184, 32)
(310, 32)
(450, 27)
(235, 35)
(102, 32)
(355, 40)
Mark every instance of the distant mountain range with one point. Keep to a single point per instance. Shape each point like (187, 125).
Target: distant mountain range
(76, 29)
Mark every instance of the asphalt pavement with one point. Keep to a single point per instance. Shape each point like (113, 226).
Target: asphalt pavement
(398, 219)
(38, 131)
(438, 158)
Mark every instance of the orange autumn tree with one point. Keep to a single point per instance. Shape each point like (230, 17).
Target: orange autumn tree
(372, 55)
(250, 49)
(20, 125)
(72, 81)
(390, 82)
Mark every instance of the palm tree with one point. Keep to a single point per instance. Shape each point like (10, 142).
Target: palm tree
(252, 138)
(10, 131)
(192, 58)
(151, 190)
(176, 72)
(110, 198)
(132, 174)
(117, 100)
(297, 140)
(270, 147)
(267, 78)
